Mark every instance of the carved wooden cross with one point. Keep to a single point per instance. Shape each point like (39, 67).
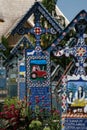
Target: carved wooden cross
(79, 51)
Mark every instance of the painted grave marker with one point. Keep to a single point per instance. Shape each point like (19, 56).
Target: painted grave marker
(38, 79)
(74, 87)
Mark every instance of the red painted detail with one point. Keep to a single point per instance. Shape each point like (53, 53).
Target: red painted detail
(38, 73)
(38, 30)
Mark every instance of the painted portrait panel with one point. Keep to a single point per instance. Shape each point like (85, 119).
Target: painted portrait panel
(77, 98)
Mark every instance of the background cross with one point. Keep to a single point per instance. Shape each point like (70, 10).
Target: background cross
(79, 51)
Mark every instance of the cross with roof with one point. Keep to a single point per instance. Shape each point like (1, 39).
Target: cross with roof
(38, 30)
(37, 10)
(79, 51)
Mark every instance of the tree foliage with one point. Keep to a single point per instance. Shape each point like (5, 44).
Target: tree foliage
(4, 41)
(49, 5)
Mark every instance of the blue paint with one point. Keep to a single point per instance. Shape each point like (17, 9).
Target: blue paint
(38, 62)
(22, 68)
(22, 90)
(75, 124)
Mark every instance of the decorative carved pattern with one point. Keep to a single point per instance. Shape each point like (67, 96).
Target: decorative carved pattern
(79, 51)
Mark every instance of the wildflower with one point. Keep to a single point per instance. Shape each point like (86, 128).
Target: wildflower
(56, 112)
(17, 112)
(12, 107)
(5, 107)
(1, 114)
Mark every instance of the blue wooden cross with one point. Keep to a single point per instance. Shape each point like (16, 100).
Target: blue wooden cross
(38, 11)
(79, 51)
(37, 30)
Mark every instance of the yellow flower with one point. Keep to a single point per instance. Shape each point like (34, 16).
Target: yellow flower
(47, 128)
(35, 123)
